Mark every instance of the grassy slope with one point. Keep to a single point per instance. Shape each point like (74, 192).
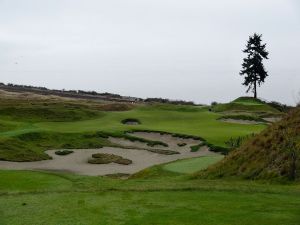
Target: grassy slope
(272, 154)
(44, 198)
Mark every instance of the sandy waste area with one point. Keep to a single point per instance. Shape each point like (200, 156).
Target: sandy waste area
(76, 162)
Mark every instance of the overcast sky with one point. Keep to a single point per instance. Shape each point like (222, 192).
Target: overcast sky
(178, 49)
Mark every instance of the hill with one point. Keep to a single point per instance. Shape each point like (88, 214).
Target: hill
(249, 104)
(272, 154)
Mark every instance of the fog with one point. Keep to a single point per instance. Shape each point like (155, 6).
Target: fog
(177, 49)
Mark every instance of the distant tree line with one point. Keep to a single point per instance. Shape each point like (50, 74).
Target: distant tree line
(165, 100)
(90, 94)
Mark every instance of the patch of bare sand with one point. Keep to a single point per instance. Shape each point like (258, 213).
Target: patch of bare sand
(77, 161)
(272, 119)
(241, 121)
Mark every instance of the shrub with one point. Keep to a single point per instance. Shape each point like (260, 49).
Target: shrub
(104, 158)
(131, 121)
(63, 152)
(181, 144)
(195, 148)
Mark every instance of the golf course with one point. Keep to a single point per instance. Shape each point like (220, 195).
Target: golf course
(74, 161)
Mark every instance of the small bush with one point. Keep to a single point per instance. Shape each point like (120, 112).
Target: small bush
(181, 144)
(195, 148)
(131, 121)
(64, 152)
(104, 158)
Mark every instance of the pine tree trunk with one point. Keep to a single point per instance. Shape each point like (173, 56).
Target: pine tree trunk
(255, 93)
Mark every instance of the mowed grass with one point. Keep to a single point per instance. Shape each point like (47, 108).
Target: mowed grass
(76, 200)
(192, 165)
(200, 123)
(45, 133)
(31, 181)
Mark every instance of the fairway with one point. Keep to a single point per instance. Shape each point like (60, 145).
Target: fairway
(165, 151)
(198, 121)
(45, 198)
(192, 165)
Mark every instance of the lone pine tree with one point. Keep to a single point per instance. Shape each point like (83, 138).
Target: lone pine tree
(252, 68)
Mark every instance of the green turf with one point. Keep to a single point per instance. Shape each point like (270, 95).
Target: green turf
(191, 120)
(155, 195)
(200, 123)
(246, 104)
(51, 199)
(192, 165)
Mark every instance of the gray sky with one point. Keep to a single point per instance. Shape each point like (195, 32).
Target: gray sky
(178, 49)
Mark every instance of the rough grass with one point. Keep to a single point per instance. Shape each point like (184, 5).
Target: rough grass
(31, 146)
(273, 154)
(104, 158)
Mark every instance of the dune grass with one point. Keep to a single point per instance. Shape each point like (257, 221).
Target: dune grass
(272, 155)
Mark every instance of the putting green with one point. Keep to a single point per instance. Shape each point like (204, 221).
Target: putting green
(192, 165)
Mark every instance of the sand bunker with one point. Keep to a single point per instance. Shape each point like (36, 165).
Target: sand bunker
(139, 153)
(241, 121)
(77, 161)
(272, 119)
(154, 136)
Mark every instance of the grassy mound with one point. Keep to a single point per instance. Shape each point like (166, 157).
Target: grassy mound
(104, 158)
(47, 112)
(31, 146)
(131, 121)
(272, 154)
(245, 104)
(63, 152)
